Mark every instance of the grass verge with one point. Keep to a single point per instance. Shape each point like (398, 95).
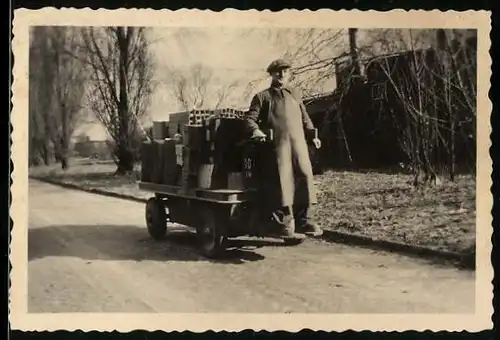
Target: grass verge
(386, 207)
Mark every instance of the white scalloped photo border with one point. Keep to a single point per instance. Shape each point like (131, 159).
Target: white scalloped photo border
(20, 319)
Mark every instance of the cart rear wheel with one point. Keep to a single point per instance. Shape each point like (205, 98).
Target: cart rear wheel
(156, 218)
(293, 241)
(211, 233)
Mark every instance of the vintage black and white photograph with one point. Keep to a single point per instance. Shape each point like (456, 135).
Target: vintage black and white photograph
(252, 169)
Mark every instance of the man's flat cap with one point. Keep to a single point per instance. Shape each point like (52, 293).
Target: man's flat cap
(277, 65)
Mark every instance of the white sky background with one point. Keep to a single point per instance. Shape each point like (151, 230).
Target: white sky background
(234, 54)
(230, 54)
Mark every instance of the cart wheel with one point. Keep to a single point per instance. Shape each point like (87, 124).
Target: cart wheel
(156, 218)
(293, 241)
(210, 233)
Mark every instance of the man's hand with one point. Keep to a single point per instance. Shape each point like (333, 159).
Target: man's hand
(317, 143)
(258, 135)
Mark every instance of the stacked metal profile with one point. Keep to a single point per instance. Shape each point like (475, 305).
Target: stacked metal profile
(200, 138)
(196, 117)
(192, 152)
(227, 152)
(158, 159)
(209, 152)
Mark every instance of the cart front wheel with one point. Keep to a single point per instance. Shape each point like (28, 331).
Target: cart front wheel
(211, 234)
(156, 218)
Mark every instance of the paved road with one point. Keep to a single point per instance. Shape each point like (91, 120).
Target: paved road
(89, 253)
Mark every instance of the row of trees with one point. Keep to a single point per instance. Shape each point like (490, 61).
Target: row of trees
(81, 73)
(105, 71)
(56, 90)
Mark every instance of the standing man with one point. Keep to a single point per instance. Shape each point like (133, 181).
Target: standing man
(283, 165)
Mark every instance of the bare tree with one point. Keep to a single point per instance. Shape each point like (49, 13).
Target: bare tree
(69, 89)
(121, 86)
(223, 93)
(198, 87)
(434, 91)
(56, 91)
(190, 87)
(39, 107)
(311, 51)
(393, 40)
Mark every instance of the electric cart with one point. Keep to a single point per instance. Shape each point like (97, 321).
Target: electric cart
(217, 212)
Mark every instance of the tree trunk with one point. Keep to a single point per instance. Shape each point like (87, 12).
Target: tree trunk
(64, 162)
(64, 157)
(125, 157)
(125, 162)
(65, 136)
(353, 48)
(35, 154)
(44, 151)
(452, 147)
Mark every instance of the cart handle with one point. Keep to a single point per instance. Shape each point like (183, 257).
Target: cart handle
(269, 138)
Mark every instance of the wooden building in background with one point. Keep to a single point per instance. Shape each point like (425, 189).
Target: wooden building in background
(361, 120)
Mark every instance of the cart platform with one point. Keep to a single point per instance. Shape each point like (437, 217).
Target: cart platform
(223, 196)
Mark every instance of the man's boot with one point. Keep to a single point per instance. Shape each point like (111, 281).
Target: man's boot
(305, 225)
(286, 223)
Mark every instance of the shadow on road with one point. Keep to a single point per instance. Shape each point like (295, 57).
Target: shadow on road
(130, 243)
